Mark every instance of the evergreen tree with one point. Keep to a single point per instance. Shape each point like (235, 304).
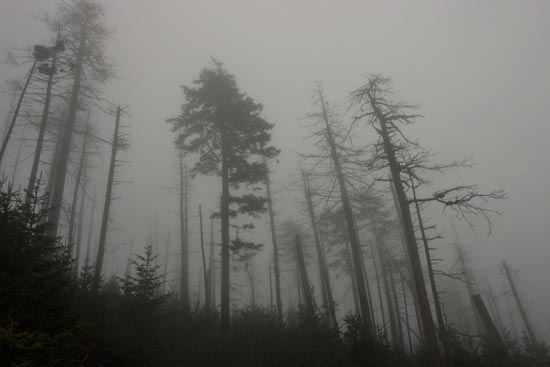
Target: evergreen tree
(222, 126)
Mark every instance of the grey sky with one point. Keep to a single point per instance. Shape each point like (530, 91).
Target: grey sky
(478, 70)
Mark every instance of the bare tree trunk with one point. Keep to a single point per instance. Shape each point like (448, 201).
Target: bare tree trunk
(304, 278)
(321, 258)
(522, 312)
(166, 256)
(433, 285)
(276, 269)
(106, 206)
(270, 291)
(43, 121)
(395, 304)
(78, 183)
(410, 239)
(379, 291)
(494, 336)
(225, 282)
(65, 149)
(16, 112)
(18, 155)
(352, 233)
(90, 231)
(51, 176)
(184, 248)
(206, 280)
(212, 265)
(405, 307)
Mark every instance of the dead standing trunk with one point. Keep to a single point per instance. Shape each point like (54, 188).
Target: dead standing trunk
(225, 282)
(43, 120)
(522, 312)
(276, 269)
(321, 258)
(106, 207)
(16, 112)
(205, 271)
(428, 327)
(303, 277)
(350, 223)
(65, 148)
(184, 248)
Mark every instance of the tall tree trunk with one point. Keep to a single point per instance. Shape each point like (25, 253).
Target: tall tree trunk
(405, 251)
(304, 278)
(166, 257)
(433, 285)
(376, 274)
(395, 304)
(494, 336)
(522, 312)
(16, 112)
(51, 175)
(224, 206)
(321, 258)
(65, 149)
(205, 271)
(410, 239)
(90, 231)
(106, 206)
(43, 122)
(184, 246)
(352, 233)
(270, 291)
(406, 308)
(276, 269)
(80, 227)
(212, 265)
(78, 183)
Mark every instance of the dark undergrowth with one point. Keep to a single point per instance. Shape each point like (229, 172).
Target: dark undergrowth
(49, 319)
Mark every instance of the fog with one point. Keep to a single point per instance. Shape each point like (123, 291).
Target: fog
(478, 72)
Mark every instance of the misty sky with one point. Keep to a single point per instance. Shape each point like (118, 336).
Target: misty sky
(477, 70)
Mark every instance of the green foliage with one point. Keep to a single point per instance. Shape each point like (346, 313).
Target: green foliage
(144, 287)
(219, 122)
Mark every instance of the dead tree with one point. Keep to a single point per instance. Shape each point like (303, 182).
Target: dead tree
(321, 257)
(184, 236)
(205, 271)
(517, 299)
(276, 267)
(327, 142)
(51, 71)
(304, 278)
(118, 143)
(86, 43)
(371, 101)
(78, 183)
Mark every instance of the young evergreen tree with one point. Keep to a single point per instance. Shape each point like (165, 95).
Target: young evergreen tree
(222, 126)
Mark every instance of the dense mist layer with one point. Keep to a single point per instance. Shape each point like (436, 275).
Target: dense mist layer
(358, 158)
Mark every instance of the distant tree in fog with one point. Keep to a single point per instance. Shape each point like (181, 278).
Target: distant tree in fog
(222, 128)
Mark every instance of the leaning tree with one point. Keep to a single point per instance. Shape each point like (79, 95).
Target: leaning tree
(222, 128)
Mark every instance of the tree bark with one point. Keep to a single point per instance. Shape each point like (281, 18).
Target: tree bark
(522, 312)
(304, 278)
(43, 123)
(106, 207)
(184, 248)
(410, 239)
(16, 112)
(352, 233)
(321, 258)
(276, 271)
(206, 280)
(225, 282)
(65, 148)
